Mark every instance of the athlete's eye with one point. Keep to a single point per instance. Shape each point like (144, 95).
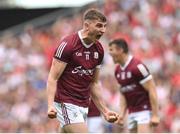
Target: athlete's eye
(99, 25)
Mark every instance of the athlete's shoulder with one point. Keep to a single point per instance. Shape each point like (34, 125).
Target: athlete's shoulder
(65, 48)
(139, 68)
(135, 61)
(133, 65)
(99, 46)
(71, 38)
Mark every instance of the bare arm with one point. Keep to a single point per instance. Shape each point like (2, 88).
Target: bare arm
(123, 108)
(123, 105)
(56, 70)
(96, 95)
(150, 87)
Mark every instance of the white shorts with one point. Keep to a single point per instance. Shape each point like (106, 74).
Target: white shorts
(95, 124)
(136, 118)
(68, 113)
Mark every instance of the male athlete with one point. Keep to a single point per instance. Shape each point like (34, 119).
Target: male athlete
(73, 76)
(137, 89)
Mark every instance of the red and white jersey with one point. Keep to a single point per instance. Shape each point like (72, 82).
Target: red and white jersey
(74, 84)
(131, 77)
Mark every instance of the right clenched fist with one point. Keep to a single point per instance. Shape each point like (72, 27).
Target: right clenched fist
(112, 118)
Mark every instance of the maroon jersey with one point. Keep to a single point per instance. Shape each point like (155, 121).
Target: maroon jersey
(93, 110)
(74, 84)
(131, 77)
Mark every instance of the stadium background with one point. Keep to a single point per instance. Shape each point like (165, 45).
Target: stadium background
(28, 38)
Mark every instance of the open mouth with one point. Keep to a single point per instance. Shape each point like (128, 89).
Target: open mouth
(98, 36)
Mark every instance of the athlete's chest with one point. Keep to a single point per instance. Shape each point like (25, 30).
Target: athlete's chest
(127, 81)
(124, 77)
(87, 58)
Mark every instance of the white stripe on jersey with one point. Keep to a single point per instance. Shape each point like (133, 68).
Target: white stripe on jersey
(146, 79)
(98, 66)
(143, 70)
(60, 49)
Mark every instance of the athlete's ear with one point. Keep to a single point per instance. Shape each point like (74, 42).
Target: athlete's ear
(86, 25)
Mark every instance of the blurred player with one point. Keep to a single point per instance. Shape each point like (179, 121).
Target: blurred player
(137, 89)
(74, 71)
(94, 120)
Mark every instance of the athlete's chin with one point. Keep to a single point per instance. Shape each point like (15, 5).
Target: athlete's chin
(115, 61)
(98, 37)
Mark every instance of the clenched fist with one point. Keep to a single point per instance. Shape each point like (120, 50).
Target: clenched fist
(52, 112)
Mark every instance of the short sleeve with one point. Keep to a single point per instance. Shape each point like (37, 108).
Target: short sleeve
(142, 73)
(100, 61)
(101, 55)
(63, 52)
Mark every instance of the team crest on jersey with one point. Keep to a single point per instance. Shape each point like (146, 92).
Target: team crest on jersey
(96, 55)
(129, 75)
(118, 75)
(124, 75)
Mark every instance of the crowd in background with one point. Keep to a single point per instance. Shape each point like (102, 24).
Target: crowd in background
(151, 27)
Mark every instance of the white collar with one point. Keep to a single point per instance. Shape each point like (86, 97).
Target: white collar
(84, 44)
(127, 62)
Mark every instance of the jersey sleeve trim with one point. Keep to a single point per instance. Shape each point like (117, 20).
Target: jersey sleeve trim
(98, 66)
(143, 70)
(146, 79)
(60, 49)
(60, 60)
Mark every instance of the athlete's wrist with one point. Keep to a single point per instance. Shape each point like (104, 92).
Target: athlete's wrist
(104, 111)
(154, 115)
(50, 104)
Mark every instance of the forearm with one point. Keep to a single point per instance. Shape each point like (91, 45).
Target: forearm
(150, 87)
(100, 105)
(55, 72)
(123, 106)
(51, 90)
(154, 102)
(97, 99)
(122, 110)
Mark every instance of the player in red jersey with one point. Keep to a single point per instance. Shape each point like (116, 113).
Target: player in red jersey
(73, 76)
(137, 89)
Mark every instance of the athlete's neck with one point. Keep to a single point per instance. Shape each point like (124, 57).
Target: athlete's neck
(123, 59)
(85, 37)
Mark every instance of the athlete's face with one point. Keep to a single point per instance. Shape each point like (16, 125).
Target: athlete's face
(115, 52)
(96, 29)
